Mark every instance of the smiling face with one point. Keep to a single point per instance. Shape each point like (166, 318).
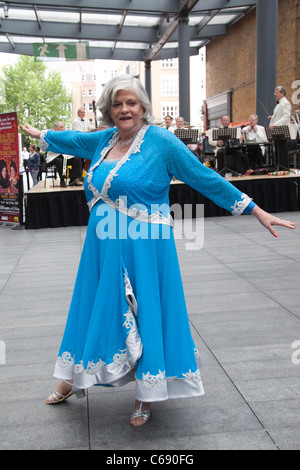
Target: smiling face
(127, 113)
(253, 121)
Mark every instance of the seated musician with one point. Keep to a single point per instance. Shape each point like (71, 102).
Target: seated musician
(236, 160)
(254, 134)
(180, 124)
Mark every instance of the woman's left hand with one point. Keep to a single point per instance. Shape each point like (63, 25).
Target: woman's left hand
(269, 220)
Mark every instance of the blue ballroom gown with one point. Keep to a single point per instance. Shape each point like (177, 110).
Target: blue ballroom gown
(128, 318)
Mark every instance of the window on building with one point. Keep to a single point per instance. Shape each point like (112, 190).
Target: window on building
(90, 93)
(108, 74)
(169, 85)
(90, 106)
(169, 64)
(172, 109)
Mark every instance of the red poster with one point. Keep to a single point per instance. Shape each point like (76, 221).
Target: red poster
(9, 168)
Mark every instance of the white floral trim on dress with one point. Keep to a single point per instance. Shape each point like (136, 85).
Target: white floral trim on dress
(119, 204)
(124, 361)
(239, 206)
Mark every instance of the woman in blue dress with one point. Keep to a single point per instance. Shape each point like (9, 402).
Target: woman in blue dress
(128, 318)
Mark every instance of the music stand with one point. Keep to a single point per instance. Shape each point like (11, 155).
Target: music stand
(225, 135)
(279, 133)
(187, 136)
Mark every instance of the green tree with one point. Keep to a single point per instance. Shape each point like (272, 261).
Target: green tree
(39, 97)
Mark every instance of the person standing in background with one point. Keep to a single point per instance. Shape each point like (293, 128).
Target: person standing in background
(33, 163)
(281, 117)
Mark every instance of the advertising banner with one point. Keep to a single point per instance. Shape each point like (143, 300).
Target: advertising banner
(9, 169)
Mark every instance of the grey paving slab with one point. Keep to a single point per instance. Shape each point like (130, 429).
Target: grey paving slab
(242, 292)
(286, 438)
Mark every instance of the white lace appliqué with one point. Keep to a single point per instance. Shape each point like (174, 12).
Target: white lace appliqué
(134, 148)
(121, 357)
(42, 143)
(119, 204)
(240, 206)
(154, 381)
(66, 360)
(193, 376)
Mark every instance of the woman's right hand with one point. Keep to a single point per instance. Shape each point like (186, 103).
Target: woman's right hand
(30, 130)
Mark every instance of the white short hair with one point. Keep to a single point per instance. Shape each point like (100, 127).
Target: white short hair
(118, 83)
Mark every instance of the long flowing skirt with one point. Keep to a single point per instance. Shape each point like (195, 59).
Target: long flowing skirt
(128, 317)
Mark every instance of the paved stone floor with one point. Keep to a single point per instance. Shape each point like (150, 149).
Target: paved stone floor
(242, 292)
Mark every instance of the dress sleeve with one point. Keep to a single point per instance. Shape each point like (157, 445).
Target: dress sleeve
(79, 144)
(186, 167)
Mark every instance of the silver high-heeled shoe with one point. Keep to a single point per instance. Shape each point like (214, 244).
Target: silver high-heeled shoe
(139, 413)
(56, 397)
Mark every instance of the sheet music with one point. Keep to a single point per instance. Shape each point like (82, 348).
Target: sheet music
(237, 129)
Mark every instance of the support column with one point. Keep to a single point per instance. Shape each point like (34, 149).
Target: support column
(266, 57)
(184, 67)
(148, 84)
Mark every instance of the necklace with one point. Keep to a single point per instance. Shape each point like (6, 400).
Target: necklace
(124, 143)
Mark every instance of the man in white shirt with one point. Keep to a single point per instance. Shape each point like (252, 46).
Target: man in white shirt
(180, 124)
(236, 160)
(168, 123)
(282, 113)
(80, 123)
(25, 156)
(281, 117)
(254, 134)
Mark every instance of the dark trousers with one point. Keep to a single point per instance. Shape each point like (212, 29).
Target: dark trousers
(236, 160)
(254, 154)
(282, 154)
(75, 162)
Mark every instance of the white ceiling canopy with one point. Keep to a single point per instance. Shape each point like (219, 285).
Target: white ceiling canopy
(117, 29)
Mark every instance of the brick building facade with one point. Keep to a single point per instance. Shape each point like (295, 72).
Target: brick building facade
(231, 65)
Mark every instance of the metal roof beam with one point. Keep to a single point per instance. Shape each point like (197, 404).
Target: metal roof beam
(80, 19)
(186, 7)
(208, 5)
(88, 31)
(38, 19)
(120, 30)
(11, 42)
(160, 6)
(101, 52)
(208, 31)
(100, 32)
(206, 20)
